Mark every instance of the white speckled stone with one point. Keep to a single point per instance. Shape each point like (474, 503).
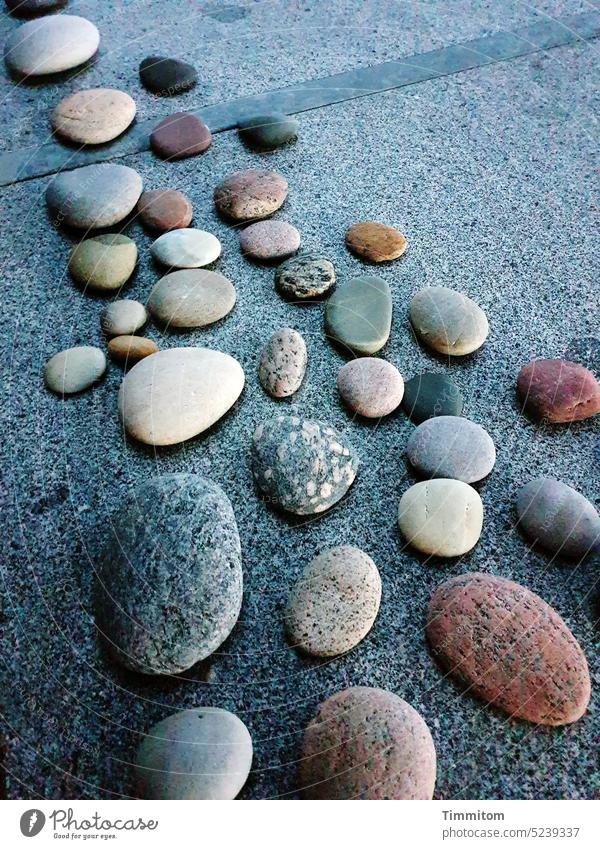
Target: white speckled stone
(51, 44)
(74, 370)
(282, 363)
(186, 248)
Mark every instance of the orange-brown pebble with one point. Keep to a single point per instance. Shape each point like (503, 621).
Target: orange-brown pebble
(375, 242)
(131, 349)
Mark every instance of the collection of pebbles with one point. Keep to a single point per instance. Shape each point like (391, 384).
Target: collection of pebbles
(178, 533)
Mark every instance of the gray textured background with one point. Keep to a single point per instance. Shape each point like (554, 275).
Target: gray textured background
(490, 174)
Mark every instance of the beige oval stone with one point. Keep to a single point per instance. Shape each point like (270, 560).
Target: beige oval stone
(121, 318)
(93, 116)
(51, 44)
(191, 298)
(74, 370)
(442, 517)
(103, 262)
(131, 349)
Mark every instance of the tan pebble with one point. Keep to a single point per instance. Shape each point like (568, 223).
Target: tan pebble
(93, 116)
(375, 242)
(131, 349)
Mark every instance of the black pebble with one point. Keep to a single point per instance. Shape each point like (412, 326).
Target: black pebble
(431, 394)
(167, 77)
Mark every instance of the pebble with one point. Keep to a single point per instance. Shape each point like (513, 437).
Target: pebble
(269, 240)
(448, 321)
(179, 393)
(282, 363)
(441, 516)
(306, 275)
(103, 262)
(302, 466)
(558, 391)
(124, 317)
(93, 116)
(34, 7)
(180, 135)
(266, 132)
(249, 195)
(558, 517)
(375, 242)
(431, 394)
(370, 387)
(128, 349)
(335, 603)
(51, 44)
(202, 753)
(165, 76)
(367, 743)
(452, 447)
(359, 314)
(169, 581)
(164, 209)
(191, 298)
(509, 648)
(186, 248)
(74, 370)
(95, 195)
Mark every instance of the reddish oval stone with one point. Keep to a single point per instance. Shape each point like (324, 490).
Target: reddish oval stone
(251, 194)
(366, 743)
(164, 209)
(180, 135)
(558, 391)
(509, 647)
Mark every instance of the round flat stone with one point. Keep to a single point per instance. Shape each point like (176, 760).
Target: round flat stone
(123, 317)
(558, 517)
(448, 321)
(334, 604)
(251, 194)
(441, 517)
(103, 262)
(95, 195)
(268, 131)
(452, 447)
(179, 393)
(166, 77)
(282, 364)
(74, 370)
(93, 116)
(186, 248)
(169, 582)
(128, 350)
(375, 242)
(191, 298)
(358, 315)
(302, 466)
(202, 753)
(558, 391)
(180, 135)
(34, 7)
(51, 44)
(370, 387)
(509, 648)
(164, 209)
(306, 275)
(366, 743)
(431, 394)
(269, 240)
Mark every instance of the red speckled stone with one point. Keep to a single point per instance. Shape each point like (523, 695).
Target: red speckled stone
(180, 135)
(366, 743)
(509, 647)
(251, 194)
(558, 391)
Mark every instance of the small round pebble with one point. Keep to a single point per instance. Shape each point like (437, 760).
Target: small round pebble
(558, 517)
(307, 275)
(164, 209)
(441, 516)
(202, 753)
(186, 248)
(375, 242)
(448, 321)
(268, 131)
(93, 116)
(282, 364)
(180, 135)
(165, 76)
(124, 317)
(249, 195)
(269, 240)
(558, 391)
(335, 603)
(103, 262)
(370, 387)
(366, 743)
(95, 195)
(191, 298)
(74, 370)
(51, 44)
(431, 394)
(130, 349)
(452, 447)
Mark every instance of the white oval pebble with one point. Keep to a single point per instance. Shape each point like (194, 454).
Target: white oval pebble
(441, 516)
(74, 369)
(122, 318)
(51, 44)
(186, 248)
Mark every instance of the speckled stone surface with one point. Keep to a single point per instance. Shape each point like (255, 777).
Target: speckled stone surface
(306, 275)
(452, 447)
(431, 394)
(93, 196)
(267, 241)
(509, 647)
(268, 131)
(191, 297)
(169, 584)
(358, 315)
(370, 386)
(282, 363)
(558, 391)
(448, 321)
(250, 194)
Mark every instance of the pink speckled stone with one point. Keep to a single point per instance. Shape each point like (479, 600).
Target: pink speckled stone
(370, 387)
(558, 391)
(269, 240)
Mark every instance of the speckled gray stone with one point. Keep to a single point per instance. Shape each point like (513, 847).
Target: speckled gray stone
(95, 195)
(169, 583)
(558, 517)
(448, 321)
(302, 466)
(123, 317)
(74, 370)
(269, 240)
(282, 363)
(359, 314)
(51, 44)
(191, 298)
(334, 604)
(306, 275)
(452, 447)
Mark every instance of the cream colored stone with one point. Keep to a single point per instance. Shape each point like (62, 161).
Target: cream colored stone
(191, 298)
(93, 116)
(442, 517)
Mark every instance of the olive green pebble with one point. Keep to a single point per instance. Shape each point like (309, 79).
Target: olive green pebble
(103, 262)
(268, 131)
